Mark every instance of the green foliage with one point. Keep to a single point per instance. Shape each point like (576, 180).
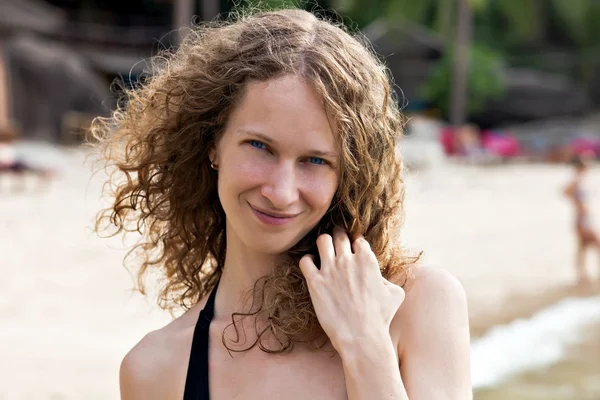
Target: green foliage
(414, 11)
(362, 12)
(573, 16)
(276, 4)
(484, 81)
(510, 27)
(508, 23)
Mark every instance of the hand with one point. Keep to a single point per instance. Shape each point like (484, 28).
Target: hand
(352, 300)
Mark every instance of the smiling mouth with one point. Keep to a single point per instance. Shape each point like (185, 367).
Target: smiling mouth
(272, 218)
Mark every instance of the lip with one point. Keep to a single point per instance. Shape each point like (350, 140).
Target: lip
(271, 217)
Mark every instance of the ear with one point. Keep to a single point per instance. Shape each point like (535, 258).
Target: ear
(212, 155)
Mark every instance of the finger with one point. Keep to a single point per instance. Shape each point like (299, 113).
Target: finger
(308, 267)
(397, 292)
(361, 244)
(341, 242)
(326, 250)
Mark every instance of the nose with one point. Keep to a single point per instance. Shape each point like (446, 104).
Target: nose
(280, 188)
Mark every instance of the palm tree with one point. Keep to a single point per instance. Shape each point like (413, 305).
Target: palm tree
(460, 68)
(455, 19)
(183, 11)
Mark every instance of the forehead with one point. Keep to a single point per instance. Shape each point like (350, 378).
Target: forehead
(286, 109)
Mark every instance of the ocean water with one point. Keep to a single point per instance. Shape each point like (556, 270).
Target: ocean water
(555, 354)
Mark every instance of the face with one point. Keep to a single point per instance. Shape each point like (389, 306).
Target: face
(278, 165)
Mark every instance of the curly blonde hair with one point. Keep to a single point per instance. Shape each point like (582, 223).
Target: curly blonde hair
(157, 144)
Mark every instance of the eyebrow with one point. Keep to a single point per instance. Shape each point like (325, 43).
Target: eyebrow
(269, 140)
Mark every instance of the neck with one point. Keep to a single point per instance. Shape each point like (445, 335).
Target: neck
(243, 268)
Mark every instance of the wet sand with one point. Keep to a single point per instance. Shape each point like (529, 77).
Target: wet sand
(68, 314)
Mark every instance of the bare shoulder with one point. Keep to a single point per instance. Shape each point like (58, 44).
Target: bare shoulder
(432, 334)
(435, 301)
(432, 285)
(155, 367)
(140, 372)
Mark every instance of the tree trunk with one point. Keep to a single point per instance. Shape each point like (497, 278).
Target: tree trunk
(210, 9)
(4, 95)
(460, 70)
(183, 11)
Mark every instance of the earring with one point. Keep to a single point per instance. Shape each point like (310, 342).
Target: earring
(214, 166)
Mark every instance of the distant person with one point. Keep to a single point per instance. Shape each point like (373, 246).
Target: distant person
(586, 235)
(260, 162)
(8, 153)
(12, 164)
(468, 143)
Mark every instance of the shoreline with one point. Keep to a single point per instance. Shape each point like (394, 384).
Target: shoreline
(575, 376)
(525, 305)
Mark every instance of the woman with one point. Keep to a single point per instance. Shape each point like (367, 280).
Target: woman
(259, 162)
(586, 236)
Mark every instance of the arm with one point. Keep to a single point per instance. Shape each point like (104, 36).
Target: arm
(434, 349)
(435, 345)
(360, 312)
(371, 370)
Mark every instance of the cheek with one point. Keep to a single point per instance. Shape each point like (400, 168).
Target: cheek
(242, 172)
(319, 190)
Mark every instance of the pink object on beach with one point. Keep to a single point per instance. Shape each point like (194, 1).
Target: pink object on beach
(447, 139)
(585, 146)
(503, 145)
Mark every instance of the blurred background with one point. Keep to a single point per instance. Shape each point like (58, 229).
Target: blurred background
(501, 96)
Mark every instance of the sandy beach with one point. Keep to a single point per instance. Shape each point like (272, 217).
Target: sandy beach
(68, 315)
(505, 231)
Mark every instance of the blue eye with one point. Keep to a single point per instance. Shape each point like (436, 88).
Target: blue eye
(257, 144)
(316, 160)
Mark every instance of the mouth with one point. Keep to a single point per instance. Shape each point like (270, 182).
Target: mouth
(269, 217)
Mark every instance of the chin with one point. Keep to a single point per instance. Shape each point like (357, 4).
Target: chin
(271, 244)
